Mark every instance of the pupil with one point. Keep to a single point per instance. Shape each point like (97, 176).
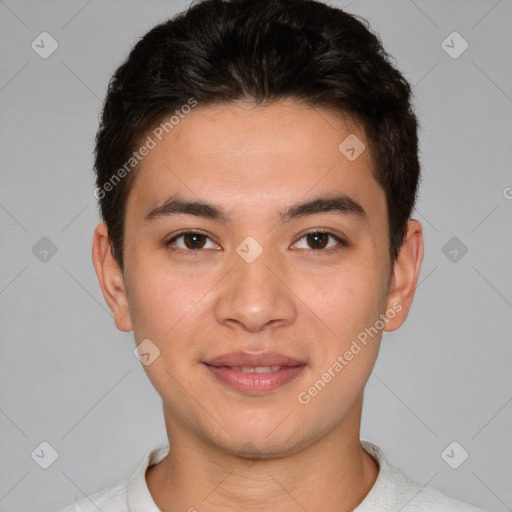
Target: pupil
(319, 240)
(193, 240)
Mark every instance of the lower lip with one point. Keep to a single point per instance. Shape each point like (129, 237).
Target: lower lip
(255, 383)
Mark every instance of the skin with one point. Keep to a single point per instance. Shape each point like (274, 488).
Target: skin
(307, 303)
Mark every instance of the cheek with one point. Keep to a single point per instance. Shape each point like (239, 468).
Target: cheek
(345, 300)
(166, 307)
(349, 304)
(161, 298)
(349, 307)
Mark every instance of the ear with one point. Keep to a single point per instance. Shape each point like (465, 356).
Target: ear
(110, 278)
(404, 279)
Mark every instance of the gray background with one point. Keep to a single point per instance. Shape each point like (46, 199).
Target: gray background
(69, 378)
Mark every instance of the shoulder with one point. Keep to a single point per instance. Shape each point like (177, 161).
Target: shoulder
(419, 498)
(130, 493)
(112, 498)
(394, 490)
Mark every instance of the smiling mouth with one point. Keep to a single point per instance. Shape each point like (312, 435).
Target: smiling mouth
(255, 369)
(255, 380)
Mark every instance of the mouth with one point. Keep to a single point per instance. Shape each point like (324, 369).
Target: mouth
(255, 369)
(254, 374)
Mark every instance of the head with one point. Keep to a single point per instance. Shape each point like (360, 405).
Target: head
(281, 134)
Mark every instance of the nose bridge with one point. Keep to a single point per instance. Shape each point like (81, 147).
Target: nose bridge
(252, 295)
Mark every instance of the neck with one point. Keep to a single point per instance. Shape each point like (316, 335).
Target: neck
(332, 474)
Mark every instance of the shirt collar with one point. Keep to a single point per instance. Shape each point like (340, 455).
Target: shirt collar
(139, 497)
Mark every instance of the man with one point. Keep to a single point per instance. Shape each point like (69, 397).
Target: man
(257, 166)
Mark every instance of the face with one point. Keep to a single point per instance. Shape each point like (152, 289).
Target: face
(256, 264)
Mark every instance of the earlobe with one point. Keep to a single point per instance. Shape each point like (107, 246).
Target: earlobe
(406, 271)
(110, 278)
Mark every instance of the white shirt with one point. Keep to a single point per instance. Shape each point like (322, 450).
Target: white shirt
(393, 491)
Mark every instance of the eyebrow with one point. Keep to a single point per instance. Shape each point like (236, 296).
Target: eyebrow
(340, 203)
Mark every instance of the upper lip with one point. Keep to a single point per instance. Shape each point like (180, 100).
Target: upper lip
(247, 359)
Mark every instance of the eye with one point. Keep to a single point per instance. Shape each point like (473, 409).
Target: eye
(318, 240)
(191, 241)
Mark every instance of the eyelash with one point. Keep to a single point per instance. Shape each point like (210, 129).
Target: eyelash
(193, 252)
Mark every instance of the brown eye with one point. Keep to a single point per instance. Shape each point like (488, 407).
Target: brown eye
(321, 241)
(191, 241)
(194, 240)
(318, 240)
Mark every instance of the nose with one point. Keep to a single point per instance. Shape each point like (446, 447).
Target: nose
(254, 296)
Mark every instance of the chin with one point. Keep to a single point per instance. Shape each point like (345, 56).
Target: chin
(265, 440)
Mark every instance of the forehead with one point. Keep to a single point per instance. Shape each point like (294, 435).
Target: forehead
(243, 155)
